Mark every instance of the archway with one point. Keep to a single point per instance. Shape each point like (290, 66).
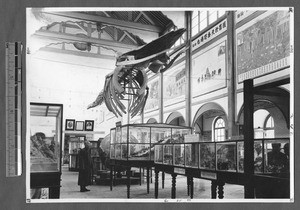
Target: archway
(175, 118)
(151, 120)
(275, 104)
(207, 121)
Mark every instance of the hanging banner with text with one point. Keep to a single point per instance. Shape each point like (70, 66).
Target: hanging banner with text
(152, 101)
(209, 68)
(174, 85)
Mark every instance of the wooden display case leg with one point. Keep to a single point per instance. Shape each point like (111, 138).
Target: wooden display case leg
(173, 190)
(114, 176)
(128, 182)
(163, 180)
(148, 180)
(221, 190)
(156, 184)
(54, 192)
(192, 187)
(111, 177)
(188, 185)
(140, 176)
(151, 175)
(213, 189)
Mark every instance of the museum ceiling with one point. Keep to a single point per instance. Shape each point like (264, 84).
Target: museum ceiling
(97, 33)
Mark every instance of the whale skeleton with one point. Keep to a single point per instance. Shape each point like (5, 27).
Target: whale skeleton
(130, 77)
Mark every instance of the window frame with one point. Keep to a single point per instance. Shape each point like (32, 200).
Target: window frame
(216, 137)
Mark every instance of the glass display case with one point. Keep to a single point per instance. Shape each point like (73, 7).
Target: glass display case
(192, 155)
(240, 156)
(75, 144)
(45, 149)
(45, 139)
(168, 154)
(276, 153)
(226, 156)
(271, 156)
(137, 141)
(208, 155)
(266, 159)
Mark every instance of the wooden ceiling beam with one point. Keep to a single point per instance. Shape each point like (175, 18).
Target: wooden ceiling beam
(78, 53)
(64, 37)
(108, 21)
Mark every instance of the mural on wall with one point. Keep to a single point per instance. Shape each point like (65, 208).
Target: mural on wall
(263, 47)
(209, 70)
(174, 85)
(152, 101)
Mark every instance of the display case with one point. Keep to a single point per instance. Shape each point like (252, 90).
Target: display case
(137, 141)
(207, 155)
(271, 156)
(192, 155)
(75, 144)
(276, 153)
(45, 148)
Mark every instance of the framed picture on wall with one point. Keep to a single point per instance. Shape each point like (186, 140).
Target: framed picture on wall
(89, 125)
(70, 124)
(79, 125)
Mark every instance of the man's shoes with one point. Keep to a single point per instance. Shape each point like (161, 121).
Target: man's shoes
(84, 190)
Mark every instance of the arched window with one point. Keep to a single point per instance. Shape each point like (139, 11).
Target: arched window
(219, 129)
(269, 127)
(263, 124)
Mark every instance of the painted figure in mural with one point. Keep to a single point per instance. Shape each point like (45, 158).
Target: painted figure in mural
(130, 77)
(85, 167)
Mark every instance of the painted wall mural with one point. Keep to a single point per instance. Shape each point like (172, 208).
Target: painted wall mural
(174, 85)
(209, 69)
(264, 46)
(153, 100)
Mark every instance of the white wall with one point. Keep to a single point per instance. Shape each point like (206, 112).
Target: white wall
(57, 80)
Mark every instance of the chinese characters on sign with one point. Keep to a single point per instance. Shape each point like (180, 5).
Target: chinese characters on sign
(209, 69)
(209, 35)
(240, 15)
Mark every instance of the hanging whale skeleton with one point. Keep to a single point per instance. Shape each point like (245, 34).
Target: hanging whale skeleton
(130, 77)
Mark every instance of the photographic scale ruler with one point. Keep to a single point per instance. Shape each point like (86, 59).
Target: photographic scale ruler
(13, 80)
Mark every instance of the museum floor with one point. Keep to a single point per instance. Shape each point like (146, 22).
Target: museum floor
(70, 189)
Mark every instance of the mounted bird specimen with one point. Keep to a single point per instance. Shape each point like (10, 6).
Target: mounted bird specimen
(130, 77)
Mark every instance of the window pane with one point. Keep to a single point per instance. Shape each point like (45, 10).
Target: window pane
(195, 30)
(195, 14)
(203, 15)
(212, 16)
(203, 24)
(221, 13)
(270, 123)
(195, 21)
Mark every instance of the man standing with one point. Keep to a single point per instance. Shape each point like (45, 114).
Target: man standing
(85, 167)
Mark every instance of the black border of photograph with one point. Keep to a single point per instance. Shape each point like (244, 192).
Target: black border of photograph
(92, 126)
(81, 124)
(67, 128)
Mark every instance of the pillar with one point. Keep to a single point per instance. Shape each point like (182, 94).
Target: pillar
(173, 189)
(248, 138)
(232, 127)
(188, 68)
(156, 184)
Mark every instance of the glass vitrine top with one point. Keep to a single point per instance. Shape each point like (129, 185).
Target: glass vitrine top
(136, 141)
